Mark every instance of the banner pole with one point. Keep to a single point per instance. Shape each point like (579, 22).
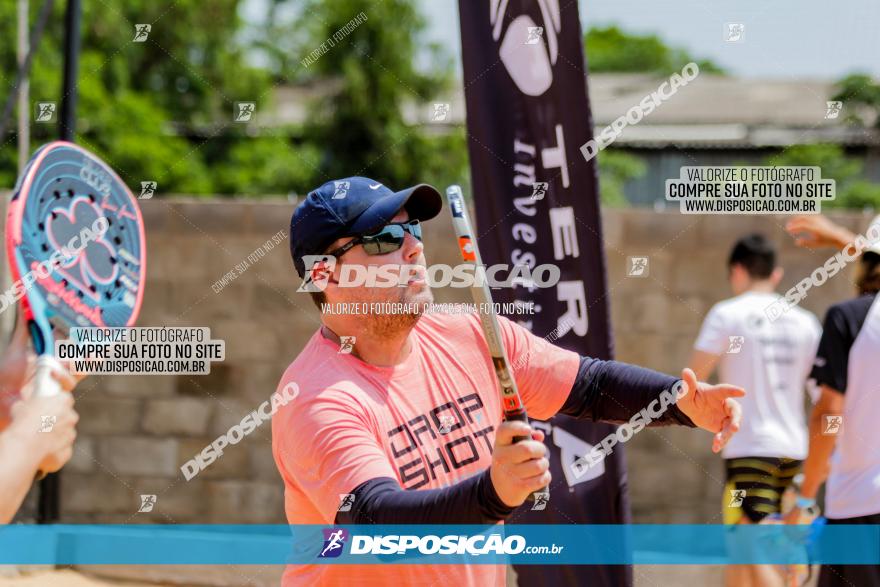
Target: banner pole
(24, 129)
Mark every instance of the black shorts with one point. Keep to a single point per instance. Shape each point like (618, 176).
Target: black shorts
(851, 575)
(755, 486)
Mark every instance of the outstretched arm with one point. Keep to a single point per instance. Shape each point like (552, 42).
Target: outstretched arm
(615, 392)
(815, 231)
(611, 391)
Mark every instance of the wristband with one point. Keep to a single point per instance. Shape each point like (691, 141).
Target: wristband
(804, 502)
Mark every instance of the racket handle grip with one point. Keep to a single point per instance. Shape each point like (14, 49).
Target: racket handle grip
(519, 415)
(523, 417)
(43, 384)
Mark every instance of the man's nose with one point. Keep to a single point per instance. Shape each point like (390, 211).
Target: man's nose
(412, 247)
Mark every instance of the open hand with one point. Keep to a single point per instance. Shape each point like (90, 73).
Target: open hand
(815, 231)
(711, 407)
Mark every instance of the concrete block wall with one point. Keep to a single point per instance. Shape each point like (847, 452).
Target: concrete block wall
(136, 432)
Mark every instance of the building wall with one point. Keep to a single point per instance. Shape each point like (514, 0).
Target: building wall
(666, 163)
(135, 432)
(663, 164)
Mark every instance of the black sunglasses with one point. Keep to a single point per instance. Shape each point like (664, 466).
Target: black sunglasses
(387, 240)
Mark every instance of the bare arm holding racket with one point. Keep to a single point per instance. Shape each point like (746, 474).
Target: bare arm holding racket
(17, 367)
(30, 444)
(36, 433)
(15, 364)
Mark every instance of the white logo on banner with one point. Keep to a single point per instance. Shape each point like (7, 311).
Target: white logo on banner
(528, 63)
(570, 450)
(564, 233)
(570, 447)
(575, 317)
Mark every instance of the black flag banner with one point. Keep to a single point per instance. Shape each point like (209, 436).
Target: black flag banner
(537, 203)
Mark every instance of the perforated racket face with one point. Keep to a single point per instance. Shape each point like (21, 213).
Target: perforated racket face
(71, 202)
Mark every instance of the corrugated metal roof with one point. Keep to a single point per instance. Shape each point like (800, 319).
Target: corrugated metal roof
(712, 111)
(715, 99)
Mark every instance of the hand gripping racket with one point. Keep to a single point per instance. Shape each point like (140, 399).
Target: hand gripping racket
(76, 249)
(482, 295)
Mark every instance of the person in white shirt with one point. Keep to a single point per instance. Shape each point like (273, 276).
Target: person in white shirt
(770, 355)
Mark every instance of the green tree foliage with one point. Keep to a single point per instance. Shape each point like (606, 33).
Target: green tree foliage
(265, 166)
(360, 127)
(157, 110)
(861, 95)
(853, 191)
(611, 50)
(615, 169)
(163, 109)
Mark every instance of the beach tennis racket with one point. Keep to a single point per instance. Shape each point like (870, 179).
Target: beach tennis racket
(76, 249)
(482, 296)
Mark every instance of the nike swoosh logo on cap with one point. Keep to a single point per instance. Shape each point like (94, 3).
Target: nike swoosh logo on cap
(375, 187)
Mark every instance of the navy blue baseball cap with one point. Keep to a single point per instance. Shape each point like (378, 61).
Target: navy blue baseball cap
(353, 206)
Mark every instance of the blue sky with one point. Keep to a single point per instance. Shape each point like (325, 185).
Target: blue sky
(783, 38)
(820, 39)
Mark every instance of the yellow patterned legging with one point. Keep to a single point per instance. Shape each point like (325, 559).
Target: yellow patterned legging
(755, 486)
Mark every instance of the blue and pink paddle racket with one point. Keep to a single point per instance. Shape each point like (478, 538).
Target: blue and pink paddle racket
(76, 248)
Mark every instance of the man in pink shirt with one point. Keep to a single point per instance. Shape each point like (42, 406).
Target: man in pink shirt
(397, 417)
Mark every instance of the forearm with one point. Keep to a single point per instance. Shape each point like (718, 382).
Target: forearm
(817, 464)
(611, 391)
(17, 470)
(8, 396)
(843, 238)
(382, 501)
